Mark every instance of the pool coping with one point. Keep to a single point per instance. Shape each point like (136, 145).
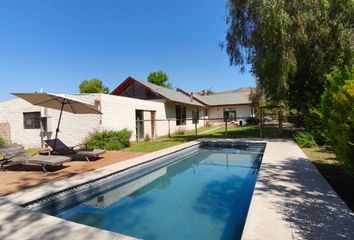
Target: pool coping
(292, 200)
(20, 223)
(265, 212)
(31, 194)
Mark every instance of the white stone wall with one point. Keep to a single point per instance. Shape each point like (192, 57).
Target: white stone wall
(11, 112)
(119, 112)
(73, 128)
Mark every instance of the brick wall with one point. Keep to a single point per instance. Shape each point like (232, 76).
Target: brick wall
(5, 132)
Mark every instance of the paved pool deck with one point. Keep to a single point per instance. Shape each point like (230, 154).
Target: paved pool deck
(17, 178)
(291, 201)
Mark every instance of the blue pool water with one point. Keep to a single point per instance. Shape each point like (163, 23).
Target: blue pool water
(203, 195)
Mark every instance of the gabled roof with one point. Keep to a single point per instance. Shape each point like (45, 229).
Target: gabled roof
(171, 94)
(181, 96)
(166, 93)
(221, 99)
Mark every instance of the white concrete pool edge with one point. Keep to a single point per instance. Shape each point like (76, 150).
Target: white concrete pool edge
(292, 200)
(20, 223)
(289, 193)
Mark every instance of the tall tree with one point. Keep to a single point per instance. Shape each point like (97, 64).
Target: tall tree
(291, 44)
(159, 78)
(93, 86)
(257, 98)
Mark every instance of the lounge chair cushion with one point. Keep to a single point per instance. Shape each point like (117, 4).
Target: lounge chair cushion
(15, 154)
(90, 152)
(49, 160)
(62, 149)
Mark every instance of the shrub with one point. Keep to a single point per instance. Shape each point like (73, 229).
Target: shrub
(314, 123)
(109, 140)
(252, 121)
(2, 141)
(305, 139)
(338, 115)
(113, 146)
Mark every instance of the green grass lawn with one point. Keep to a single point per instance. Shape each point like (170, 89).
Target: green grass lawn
(233, 132)
(192, 132)
(155, 145)
(158, 144)
(242, 132)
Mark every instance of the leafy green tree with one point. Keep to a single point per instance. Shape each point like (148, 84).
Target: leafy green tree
(93, 86)
(338, 114)
(159, 78)
(291, 44)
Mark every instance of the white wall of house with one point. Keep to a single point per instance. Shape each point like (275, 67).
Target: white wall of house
(171, 113)
(73, 128)
(118, 113)
(242, 112)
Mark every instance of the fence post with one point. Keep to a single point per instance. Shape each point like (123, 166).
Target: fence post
(137, 129)
(261, 124)
(280, 122)
(225, 127)
(169, 129)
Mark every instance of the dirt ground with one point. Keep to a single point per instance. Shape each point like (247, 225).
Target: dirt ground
(16, 178)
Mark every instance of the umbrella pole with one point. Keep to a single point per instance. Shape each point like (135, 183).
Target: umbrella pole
(57, 130)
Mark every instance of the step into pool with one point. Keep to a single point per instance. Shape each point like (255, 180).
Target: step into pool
(199, 193)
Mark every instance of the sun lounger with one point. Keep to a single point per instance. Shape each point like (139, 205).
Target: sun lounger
(62, 149)
(14, 154)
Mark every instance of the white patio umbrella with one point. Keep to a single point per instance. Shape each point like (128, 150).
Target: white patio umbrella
(60, 102)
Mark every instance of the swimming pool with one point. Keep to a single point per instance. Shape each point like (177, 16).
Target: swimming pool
(198, 193)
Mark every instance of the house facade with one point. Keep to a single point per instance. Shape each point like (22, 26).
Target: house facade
(148, 110)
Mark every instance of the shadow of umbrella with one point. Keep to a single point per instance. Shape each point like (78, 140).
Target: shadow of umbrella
(59, 102)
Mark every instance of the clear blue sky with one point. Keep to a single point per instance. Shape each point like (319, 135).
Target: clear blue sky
(54, 45)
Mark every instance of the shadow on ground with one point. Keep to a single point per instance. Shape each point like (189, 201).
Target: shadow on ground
(305, 200)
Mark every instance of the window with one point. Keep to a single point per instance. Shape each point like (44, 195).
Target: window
(195, 116)
(180, 115)
(229, 114)
(205, 114)
(32, 120)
